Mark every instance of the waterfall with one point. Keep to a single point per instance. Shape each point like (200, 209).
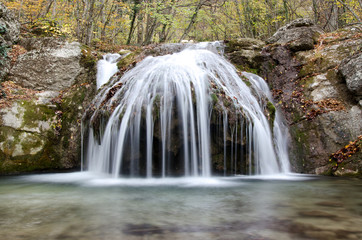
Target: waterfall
(106, 67)
(189, 113)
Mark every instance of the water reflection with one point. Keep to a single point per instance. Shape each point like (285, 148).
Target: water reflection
(76, 206)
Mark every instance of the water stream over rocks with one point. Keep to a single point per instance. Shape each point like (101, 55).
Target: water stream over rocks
(189, 113)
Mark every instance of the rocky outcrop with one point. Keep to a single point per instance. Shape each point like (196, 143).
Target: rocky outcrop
(299, 35)
(9, 34)
(351, 70)
(316, 80)
(245, 53)
(318, 88)
(47, 90)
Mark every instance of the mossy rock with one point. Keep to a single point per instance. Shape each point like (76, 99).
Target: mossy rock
(129, 59)
(244, 43)
(271, 113)
(22, 152)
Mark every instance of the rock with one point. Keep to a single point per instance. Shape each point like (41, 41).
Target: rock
(9, 34)
(9, 26)
(299, 35)
(351, 70)
(48, 67)
(245, 53)
(40, 122)
(27, 116)
(345, 172)
(244, 43)
(306, 83)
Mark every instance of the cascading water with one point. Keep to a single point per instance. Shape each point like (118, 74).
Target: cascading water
(106, 68)
(186, 114)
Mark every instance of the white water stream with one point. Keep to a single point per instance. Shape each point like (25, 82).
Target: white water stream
(178, 89)
(106, 68)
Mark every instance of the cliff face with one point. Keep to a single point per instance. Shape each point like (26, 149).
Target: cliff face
(316, 81)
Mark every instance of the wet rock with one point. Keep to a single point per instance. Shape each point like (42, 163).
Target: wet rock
(299, 35)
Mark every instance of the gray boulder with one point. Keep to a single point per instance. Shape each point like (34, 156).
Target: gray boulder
(351, 70)
(40, 115)
(9, 27)
(49, 65)
(9, 34)
(299, 35)
(245, 53)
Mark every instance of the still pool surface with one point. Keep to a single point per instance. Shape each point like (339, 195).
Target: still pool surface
(81, 206)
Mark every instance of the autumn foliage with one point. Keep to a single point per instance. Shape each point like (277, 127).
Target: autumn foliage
(155, 21)
(346, 152)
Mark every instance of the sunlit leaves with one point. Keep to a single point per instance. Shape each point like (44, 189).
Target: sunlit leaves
(346, 152)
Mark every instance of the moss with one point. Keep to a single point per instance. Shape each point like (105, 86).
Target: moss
(214, 98)
(156, 107)
(46, 159)
(227, 103)
(126, 61)
(34, 113)
(296, 116)
(31, 144)
(300, 146)
(69, 108)
(307, 70)
(88, 60)
(245, 80)
(271, 109)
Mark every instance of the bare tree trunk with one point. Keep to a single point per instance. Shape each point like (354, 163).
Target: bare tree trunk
(193, 20)
(315, 11)
(106, 22)
(136, 9)
(140, 29)
(240, 20)
(89, 24)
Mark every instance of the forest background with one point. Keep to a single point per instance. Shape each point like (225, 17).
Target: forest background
(136, 22)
